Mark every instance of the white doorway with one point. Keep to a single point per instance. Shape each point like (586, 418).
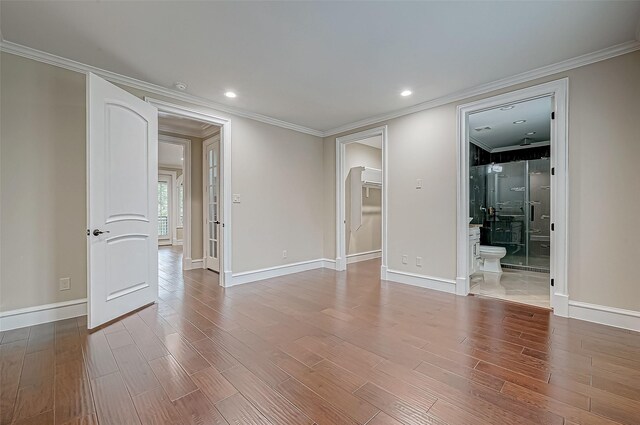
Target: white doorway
(211, 203)
(365, 187)
(557, 91)
(224, 218)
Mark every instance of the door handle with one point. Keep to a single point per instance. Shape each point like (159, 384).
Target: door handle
(98, 232)
(216, 222)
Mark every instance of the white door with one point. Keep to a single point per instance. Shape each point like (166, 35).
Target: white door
(122, 201)
(165, 209)
(212, 198)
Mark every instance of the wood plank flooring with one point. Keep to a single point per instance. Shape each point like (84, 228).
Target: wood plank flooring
(319, 347)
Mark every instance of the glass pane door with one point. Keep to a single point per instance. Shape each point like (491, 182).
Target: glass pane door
(213, 207)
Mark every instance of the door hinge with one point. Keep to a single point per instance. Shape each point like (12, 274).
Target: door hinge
(553, 282)
(553, 227)
(553, 171)
(88, 232)
(553, 115)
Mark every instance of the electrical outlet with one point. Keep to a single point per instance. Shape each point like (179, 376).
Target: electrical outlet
(236, 198)
(65, 284)
(419, 184)
(419, 261)
(284, 254)
(405, 259)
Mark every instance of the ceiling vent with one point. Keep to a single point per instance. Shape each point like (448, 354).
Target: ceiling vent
(483, 128)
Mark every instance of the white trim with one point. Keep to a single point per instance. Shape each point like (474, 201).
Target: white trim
(341, 142)
(428, 282)
(186, 179)
(364, 256)
(559, 92)
(611, 316)
(328, 263)
(38, 55)
(545, 71)
(191, 264)
(225, 175)
(271, 272)
(517, 148)
(46, 313)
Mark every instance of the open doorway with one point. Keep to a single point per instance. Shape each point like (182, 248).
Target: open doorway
(510, 201)
(360, 202)
(187, 186)
(512, 197)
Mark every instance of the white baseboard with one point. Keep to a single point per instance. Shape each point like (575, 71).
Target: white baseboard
(436, 283)
(560, 304)
(364, 256)
(190, 264)
(271, 272)
(328, 263)
(611, 316)
(31, 316)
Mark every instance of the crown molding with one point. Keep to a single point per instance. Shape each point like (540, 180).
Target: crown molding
(40, 56)
(589, 58)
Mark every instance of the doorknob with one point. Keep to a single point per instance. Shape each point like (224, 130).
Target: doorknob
(97, 232)
(216, 222)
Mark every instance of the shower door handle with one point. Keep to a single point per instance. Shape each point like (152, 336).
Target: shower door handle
(533, 209)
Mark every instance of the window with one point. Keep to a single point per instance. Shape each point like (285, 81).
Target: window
(180, 193)
(163, 208)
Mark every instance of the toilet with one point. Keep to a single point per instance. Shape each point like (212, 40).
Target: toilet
(491, 256)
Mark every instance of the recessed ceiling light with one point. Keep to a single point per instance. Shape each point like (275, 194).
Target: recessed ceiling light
(230, 94)
(406, 93)
(531, 133)
(180, 86)
(506, 108)
(520, 122)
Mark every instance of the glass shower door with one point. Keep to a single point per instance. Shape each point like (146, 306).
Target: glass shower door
(507, 213)
(539, 241)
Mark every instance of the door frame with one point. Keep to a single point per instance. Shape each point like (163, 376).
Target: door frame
(341, 143)
(205, 205)
(225, 175)
(186, 181)
(172, 200)
(559, 92)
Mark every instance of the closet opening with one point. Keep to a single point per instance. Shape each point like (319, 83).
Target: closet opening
(360, 177)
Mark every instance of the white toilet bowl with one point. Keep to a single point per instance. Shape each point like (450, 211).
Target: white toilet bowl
(491, 256)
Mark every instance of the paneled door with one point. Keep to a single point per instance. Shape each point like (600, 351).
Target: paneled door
(212, 202)
(122, 201)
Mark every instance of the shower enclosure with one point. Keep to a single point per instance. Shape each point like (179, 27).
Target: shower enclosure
(512, 201)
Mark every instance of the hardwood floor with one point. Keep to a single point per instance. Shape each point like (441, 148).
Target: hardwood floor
(320, 347)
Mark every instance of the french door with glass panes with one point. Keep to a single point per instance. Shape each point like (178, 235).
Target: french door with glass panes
(164, 209)
(212, 203)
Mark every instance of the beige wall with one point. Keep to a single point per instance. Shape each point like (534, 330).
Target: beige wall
(604, 150)
(43, 195)
(277, 172)
(369, 236)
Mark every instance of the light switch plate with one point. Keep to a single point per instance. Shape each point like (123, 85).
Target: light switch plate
(419, 261)
(405, 259)
(236, 198)
(419, 184)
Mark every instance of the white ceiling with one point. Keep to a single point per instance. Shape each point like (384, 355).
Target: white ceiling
(170, 155)
(503, 132)
(185, 126)
(319, 64)
(374, 142)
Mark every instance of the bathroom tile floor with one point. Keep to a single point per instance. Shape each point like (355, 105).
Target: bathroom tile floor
(513, 285)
